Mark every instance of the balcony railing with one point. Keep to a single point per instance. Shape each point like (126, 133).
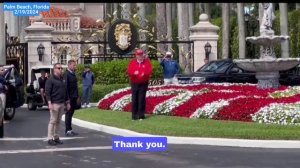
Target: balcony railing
(59, 24)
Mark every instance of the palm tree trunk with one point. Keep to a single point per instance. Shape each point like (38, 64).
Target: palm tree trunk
(284, 29)
(207, 10)
(225, 29)
(183, 34)
(161, 27)
(261, 13)
(174, 10)
(297, 6)
(241, 24)
(2, 36)
(191, 14)
(201, 10)
(126, 11)
(142, 20)
(116, 11)
(169, 24)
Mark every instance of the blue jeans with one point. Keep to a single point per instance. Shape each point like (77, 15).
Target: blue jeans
(87, 94)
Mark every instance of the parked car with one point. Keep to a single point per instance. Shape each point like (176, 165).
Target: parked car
(1, 119)
(33, 97)
(225, 70)
(15, 92)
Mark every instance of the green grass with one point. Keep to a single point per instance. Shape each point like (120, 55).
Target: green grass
(178, 126)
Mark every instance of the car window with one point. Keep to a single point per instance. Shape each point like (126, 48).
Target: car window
(223, 67)
(212, 66)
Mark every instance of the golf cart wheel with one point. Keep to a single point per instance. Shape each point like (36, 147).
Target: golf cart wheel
(30, 105)
(9, 113)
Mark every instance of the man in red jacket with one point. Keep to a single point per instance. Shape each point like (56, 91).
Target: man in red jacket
(139, 71)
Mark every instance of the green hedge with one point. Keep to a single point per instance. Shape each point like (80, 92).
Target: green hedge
(99, 91)
(115, 72)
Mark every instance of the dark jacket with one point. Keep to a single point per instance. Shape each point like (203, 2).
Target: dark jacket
(71, 81)
(55, 90)
(88, 81)
(2, 84)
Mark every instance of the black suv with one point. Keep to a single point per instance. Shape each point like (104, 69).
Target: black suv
(225, 70)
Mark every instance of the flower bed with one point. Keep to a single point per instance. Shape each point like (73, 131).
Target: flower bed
(238, 102)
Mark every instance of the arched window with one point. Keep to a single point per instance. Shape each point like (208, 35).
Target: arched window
(63, 57)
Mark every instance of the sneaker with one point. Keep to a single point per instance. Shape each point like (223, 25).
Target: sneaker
(58, 141)
(84, 105)
(88, 106)
(71, 133)
(51, 142)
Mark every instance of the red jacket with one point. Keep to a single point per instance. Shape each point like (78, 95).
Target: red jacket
(144, 70)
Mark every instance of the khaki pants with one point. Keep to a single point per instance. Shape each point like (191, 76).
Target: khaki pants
(3, 99)
(55, 117)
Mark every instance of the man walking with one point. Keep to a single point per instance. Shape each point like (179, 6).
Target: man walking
(170, 68)
(57, 97)
(72, 88)
(88, 82)
(139, 71)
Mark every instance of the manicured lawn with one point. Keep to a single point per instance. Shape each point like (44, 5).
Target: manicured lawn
(178, 126)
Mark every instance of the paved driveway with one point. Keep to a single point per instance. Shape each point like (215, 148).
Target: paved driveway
(24, 146)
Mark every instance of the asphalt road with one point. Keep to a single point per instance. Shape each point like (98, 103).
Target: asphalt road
(24, 146)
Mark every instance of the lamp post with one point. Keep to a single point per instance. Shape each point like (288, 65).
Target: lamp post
(207, 49)
(247, 17)
(41, 51)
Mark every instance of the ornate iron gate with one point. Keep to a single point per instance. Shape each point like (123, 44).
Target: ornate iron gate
(16, 54)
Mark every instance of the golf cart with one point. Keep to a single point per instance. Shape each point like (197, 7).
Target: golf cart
(34, 98)
(14, 93)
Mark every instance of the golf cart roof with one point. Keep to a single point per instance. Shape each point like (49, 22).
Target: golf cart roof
(45, 67)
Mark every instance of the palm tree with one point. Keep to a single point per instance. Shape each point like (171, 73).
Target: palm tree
(2, 36)
(225, 29)
(241, 26)
(141, 13)
(161, 26)
(183, 34)
(169, 24)
(191, 14)
(284, 29)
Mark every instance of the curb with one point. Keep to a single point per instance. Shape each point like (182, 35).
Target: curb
(287, 144)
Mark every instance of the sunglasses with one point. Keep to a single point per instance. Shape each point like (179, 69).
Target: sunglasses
(58, 67)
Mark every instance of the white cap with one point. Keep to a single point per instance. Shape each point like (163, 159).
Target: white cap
(168, 53)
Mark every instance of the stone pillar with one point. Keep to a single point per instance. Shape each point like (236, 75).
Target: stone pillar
(38, 33)
(75, 15)
(201, 33)
(2, 36)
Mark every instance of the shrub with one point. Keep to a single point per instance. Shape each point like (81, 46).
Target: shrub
(99, 91)
(115, 72)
